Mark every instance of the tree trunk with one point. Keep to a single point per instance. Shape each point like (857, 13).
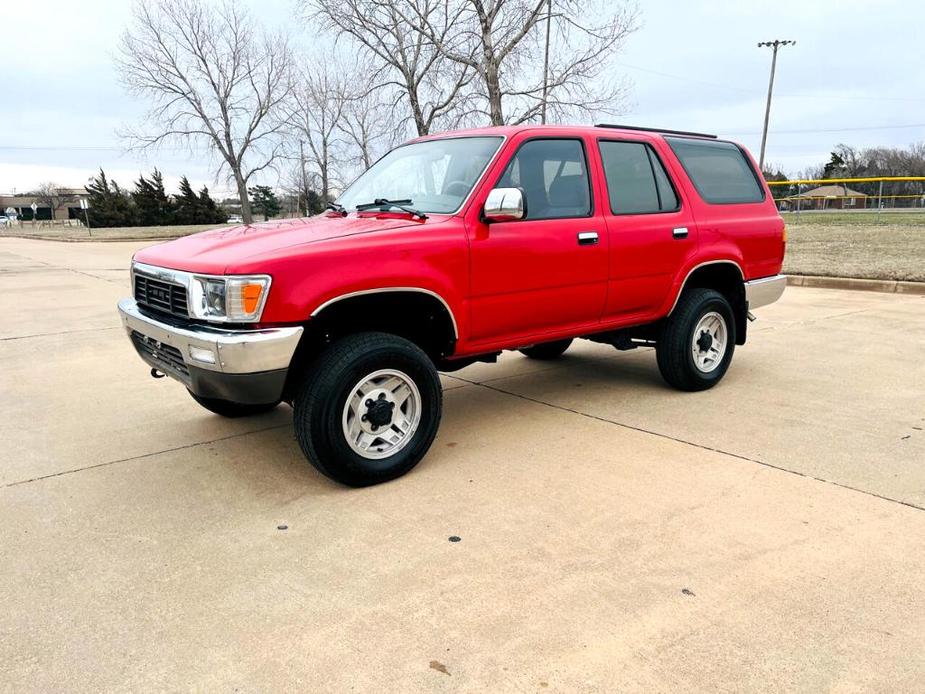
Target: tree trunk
(246, 214)
(419, 122)
(493, 89)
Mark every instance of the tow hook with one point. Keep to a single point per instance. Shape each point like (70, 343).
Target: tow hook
(157, 374)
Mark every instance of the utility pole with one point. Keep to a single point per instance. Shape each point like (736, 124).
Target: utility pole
(767, 110)
(546, 61)
(302, 167)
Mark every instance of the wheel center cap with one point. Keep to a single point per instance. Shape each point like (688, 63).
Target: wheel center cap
(379, 412)
(705, 341)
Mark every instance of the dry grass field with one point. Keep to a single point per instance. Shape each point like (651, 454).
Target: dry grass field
(857, 245)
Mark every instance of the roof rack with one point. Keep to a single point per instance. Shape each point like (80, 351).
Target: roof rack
(653, 130)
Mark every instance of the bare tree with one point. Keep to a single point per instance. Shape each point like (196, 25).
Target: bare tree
(410, 60)
(505, 42)
(214, 80)
(315, 116)
(52, 195)
(368, 124)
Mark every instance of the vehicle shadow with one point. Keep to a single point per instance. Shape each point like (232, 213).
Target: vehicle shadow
(281, 464)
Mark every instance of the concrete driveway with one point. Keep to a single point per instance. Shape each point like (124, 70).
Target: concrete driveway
(615, 535)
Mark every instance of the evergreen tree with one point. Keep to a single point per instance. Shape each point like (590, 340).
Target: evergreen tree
(210, 212)
(110, 206)
(187, 204)
(835, 168)
(264, 201)
(153, 206)
(312, 203)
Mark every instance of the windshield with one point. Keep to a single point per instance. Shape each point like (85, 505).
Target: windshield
(435, 175)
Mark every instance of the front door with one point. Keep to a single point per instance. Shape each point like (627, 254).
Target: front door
(547, 271)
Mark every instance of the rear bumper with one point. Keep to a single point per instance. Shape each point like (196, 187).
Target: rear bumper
(764, 291)
(246, 366)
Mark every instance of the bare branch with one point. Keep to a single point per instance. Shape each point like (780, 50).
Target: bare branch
(213, 80)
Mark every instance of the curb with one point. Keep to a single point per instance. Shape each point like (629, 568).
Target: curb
(887, 286)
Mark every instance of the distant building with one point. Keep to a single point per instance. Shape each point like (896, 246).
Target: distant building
(67, 208)
(831, 197)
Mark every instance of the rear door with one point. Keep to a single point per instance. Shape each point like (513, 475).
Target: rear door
(547, 271)
(649, 224)
(739, 218)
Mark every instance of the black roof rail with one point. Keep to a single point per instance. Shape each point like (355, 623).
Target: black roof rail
(653, 130)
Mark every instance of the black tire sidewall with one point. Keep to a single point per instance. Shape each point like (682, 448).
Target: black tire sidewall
(673, 350)
(327, 395)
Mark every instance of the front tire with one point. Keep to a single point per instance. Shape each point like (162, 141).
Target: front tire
(547, 350)
(369, 409)
(697, 341)
(232, 410)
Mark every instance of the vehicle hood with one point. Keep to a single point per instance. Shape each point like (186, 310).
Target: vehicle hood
(213, 251)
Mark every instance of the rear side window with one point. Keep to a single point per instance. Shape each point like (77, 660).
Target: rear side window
(718, 170)
(636, 180)
(554, 177)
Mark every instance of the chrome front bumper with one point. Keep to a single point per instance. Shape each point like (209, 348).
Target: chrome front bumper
(764, 291)
(233, 351)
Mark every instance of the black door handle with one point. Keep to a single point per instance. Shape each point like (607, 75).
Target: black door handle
(587, 238)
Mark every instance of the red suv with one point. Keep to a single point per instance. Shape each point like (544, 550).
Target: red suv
(448, 250)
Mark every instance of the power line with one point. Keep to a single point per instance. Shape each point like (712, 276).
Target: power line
(810, 131)
(802, 131)
(752, 92)
(81, 148)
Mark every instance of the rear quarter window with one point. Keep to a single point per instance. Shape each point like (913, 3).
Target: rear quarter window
(719, 170)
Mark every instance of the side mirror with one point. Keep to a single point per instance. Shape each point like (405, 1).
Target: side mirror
(505, 205)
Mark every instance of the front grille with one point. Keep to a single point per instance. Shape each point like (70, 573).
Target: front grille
(167, 357)
(161, 295)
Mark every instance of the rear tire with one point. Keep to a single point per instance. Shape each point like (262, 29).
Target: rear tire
(547, 350)
(232, 410)
(697, 340)
(369, 409)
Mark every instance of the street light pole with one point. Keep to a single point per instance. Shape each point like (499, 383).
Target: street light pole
(546, 62)
(774, 45)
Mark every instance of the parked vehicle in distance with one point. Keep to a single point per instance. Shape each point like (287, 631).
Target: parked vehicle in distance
(4, 220)
(235, 219)
(448, 250)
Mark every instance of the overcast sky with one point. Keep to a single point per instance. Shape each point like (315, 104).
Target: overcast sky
(855, 76)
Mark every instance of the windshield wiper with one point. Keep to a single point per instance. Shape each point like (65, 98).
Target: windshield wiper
(385, 203)
(337, 207)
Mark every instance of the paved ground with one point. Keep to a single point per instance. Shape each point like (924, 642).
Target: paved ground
(616, 535)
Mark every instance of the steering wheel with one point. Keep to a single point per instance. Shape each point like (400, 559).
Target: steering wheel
(456, 188)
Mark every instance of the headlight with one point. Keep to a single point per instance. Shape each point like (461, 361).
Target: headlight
(229, 299)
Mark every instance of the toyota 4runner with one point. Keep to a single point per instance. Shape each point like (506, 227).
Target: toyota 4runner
(448, 250)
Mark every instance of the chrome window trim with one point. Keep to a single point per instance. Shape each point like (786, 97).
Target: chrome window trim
(186, 279)
(385, 290)
(726, 261)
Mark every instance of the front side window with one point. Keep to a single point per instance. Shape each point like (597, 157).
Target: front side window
(554, 177)
(718, 170)
(436, 175)
(636, 180)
